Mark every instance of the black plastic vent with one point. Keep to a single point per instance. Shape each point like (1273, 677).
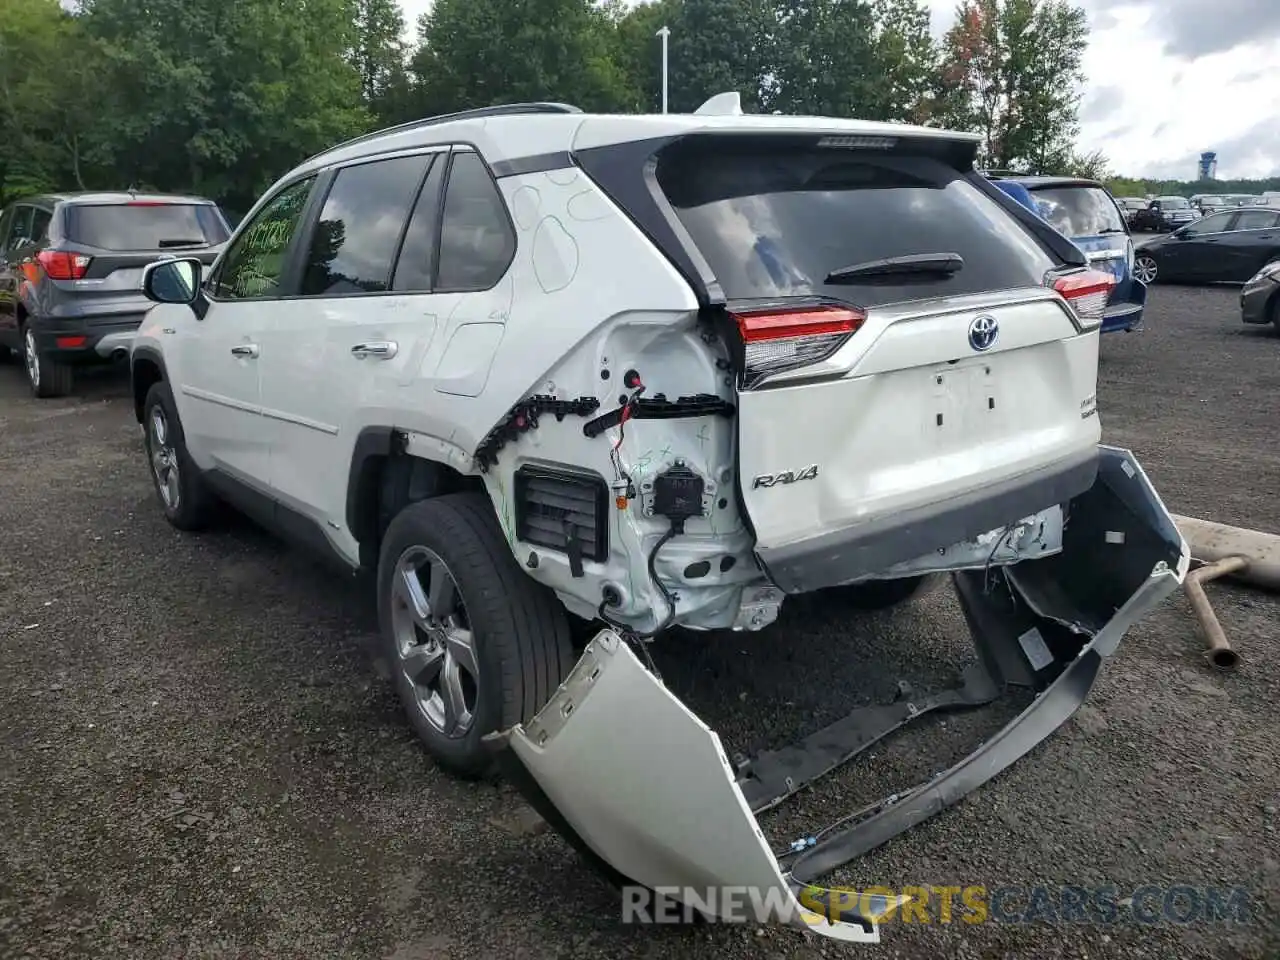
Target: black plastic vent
(563, 510)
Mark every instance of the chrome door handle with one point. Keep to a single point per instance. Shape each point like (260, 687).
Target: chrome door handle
(382, 349)
(248, 350)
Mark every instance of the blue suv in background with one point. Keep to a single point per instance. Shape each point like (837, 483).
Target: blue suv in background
(1085, 213)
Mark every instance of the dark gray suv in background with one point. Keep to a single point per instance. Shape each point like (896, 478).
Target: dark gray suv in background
(71, 273)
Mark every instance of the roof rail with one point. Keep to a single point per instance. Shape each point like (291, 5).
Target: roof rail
(497, 110)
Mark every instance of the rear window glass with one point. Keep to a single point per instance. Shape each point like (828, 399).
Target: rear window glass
(1079, 211)
(144, 226)
(1175, 203)
(774, 223)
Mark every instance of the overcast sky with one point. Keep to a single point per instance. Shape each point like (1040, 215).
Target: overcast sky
(1166, 79)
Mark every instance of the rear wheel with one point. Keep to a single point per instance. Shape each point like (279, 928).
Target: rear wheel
(472, 643)
(46, 377)
(1145, 269)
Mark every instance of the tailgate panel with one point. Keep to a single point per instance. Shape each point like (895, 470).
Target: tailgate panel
(897, 438)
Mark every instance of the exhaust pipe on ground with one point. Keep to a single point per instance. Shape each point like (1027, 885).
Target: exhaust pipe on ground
(1220, 653)
(1249, 556)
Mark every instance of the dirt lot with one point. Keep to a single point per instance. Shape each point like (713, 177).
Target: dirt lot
(197, 761)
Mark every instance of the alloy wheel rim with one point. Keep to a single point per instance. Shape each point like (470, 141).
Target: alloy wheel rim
(32, 358)
(434, 641)
(164, 459)
(1144, 268)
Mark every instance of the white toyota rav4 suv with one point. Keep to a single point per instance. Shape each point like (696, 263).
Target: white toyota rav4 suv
(655, 371)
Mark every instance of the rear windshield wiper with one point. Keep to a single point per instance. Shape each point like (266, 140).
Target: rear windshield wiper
(181, 243)
(936, 263)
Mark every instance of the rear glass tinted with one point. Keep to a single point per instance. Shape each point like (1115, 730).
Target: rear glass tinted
(144, 225)
(775, 223)
(1079, 211)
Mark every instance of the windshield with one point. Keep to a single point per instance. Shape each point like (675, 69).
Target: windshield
(1175, 203)
(144, 225)
(1079, 211)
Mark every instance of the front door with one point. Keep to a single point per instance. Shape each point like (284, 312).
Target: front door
(219, 376)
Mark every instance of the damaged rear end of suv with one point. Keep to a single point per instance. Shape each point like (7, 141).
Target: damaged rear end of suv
(834, 357)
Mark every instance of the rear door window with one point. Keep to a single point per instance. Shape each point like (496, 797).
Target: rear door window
(776, 223)
(354, 242)
(1256, 220)
(1079, 211)
(144, 225)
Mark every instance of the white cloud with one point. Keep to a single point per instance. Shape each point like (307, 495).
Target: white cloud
(1164, 80)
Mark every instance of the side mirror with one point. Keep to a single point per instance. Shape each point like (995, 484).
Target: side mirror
(172, 281)
(1181, 233)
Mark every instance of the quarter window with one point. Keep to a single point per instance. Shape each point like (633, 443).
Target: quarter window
(255, 263)
(476, 239)
(355, 238)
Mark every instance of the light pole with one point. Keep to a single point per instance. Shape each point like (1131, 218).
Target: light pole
(664, 33)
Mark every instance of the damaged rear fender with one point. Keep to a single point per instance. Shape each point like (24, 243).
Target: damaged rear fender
(644, 789)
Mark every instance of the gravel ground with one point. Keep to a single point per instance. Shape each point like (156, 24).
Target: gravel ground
(197, 760)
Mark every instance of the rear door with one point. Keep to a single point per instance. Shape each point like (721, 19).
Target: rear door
(1254, 241)
(890, 392)
(357, 330)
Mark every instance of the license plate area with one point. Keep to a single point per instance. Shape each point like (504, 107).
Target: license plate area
(966, 403)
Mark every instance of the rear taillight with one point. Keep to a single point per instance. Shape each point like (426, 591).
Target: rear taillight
(63, 266)
(784, 338)
(1087, 292)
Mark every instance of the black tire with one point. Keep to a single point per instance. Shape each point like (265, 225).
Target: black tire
(519, 632)
(46, 378)
(880, 594)
(1275, 311)
(193, 504)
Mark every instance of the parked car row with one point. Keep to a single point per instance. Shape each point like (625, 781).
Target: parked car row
(71, 274)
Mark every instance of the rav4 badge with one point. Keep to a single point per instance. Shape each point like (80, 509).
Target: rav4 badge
(786, 476)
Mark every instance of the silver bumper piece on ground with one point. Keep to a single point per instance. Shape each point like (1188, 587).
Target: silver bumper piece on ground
(644, 790)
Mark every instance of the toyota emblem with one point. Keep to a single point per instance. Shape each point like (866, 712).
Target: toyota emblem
(983, 332)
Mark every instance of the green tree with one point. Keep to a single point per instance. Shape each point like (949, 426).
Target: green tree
(475, 53)
(907, 56)
(721, 45)
(379, 55)
(637, 50)
(1011, 71)
(825, 60)
(47, 108)
(223, 96)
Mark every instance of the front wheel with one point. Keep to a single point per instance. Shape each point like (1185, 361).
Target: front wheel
(1145, 269)
(472, 643)
(185, 499)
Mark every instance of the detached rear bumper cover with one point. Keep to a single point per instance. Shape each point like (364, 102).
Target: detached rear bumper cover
(644, 790)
